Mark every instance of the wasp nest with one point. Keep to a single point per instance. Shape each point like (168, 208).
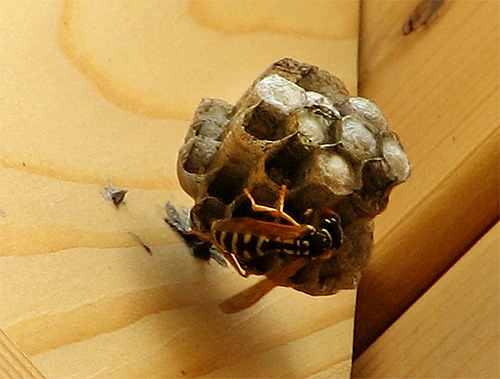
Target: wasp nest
(295, 126)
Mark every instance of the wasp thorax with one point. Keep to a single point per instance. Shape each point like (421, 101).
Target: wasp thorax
(297, 126)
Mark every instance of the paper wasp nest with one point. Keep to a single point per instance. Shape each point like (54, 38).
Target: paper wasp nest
(296, 125)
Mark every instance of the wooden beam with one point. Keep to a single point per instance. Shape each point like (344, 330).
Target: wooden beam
(439, 88)
(100, 93)
(452, 331)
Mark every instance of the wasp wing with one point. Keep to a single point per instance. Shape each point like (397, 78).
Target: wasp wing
(246, 298)
(248, 225)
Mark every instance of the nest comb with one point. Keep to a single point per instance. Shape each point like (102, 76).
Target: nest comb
(296, 126)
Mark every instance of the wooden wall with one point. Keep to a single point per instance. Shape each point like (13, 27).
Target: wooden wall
(93, 93)
(439, 87)
(100, 92)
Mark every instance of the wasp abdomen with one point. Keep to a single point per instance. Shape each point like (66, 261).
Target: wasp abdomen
(252, 246)
(297, 246)
(245, 245)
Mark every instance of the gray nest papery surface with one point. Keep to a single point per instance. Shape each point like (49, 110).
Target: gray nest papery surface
(296, 125)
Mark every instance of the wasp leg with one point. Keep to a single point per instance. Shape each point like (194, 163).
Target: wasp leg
(236, 265)
(276, 211)
(229, 256)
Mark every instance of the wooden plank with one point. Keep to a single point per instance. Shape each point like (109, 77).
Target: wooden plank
(439, 90)
(94, 93)
(453, 331)
(13, 363)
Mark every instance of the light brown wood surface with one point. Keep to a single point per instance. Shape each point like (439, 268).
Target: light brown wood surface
(100, 92)
(92, 94)
(452, 331)
(13, 363)
(439, 88)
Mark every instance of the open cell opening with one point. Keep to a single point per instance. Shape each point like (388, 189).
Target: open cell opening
(267, 123)
(286, 165)
(227, 184)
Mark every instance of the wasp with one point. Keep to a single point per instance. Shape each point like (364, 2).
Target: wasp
(246, 239)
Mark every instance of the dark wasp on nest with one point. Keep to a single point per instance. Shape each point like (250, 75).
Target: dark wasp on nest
(287, 181)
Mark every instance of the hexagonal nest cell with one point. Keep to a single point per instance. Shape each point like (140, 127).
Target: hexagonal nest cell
(295, 126)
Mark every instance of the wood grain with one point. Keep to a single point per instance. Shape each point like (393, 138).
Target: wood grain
(98, 93)
(453, 331)
(13, 363)
(439, 88)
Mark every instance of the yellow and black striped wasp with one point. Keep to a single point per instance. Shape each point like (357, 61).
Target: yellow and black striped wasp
(246, 241)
